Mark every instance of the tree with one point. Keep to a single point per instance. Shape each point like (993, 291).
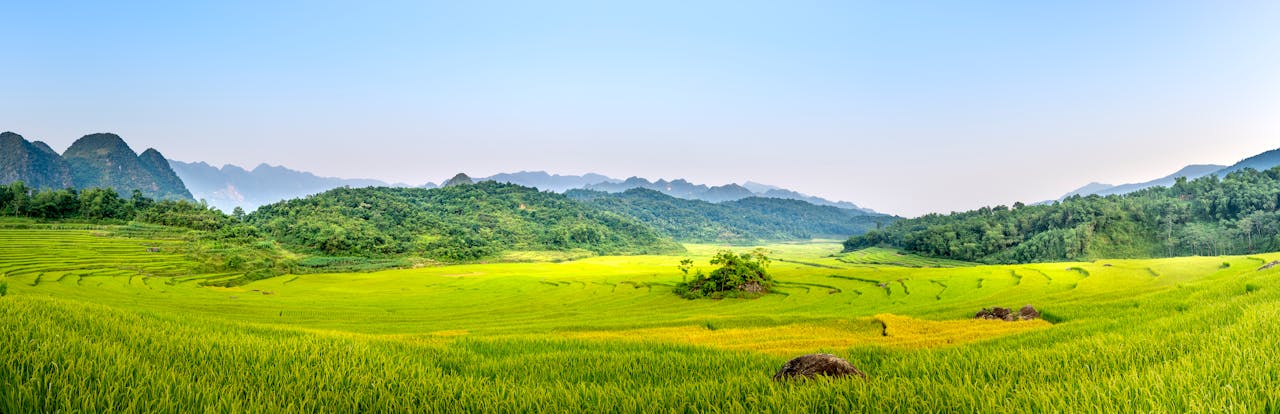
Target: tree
(684, 267)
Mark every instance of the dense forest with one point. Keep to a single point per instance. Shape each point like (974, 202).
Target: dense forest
(1237, 214)
(739, 221)
(453, 223)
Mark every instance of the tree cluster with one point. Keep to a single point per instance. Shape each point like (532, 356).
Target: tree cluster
(16, 199)
(738, 275)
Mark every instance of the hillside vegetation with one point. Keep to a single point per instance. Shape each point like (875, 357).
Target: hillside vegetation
(739, 221)
(1237, 214)
(453, 223)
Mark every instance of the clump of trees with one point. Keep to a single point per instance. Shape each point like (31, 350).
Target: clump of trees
(1237, 214)
(738, 275)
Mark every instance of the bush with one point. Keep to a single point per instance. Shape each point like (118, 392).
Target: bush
(4, 288)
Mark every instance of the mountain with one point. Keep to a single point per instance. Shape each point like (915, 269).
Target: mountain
(1090, 188)
(727, 192)
(105, 160)
(739, 221)
(155, 164)
(792, 195)
(33, 163)
(1189, 172)
(231, 186)
(1260, 162)
(458, 179)
(460, 222)
(684, 189)
(549, 182)
(759, 188)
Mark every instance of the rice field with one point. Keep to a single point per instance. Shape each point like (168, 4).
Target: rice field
(883, 256)
(97, 323)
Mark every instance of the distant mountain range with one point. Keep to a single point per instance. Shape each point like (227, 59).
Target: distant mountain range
(679, 188)
(231, 186)
(95, 160)
(1260, 162)
(551, 182)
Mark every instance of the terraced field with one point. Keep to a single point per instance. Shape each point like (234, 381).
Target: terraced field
(882, 256)
(98, 323)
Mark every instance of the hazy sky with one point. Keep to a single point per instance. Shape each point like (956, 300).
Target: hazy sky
(905, 107)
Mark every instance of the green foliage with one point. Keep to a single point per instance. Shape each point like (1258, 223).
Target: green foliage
(464, 222)
(54, 204)
(741, 221)
(104, 204)
(1238, 214)
(739, 275)
(184, 214)
(4, 288)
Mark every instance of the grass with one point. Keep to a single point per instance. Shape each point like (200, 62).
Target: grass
(112, 327)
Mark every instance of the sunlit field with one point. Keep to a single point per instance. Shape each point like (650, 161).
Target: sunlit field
(95, 322)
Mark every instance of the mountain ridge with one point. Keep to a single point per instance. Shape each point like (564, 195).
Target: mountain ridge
(231, 186)
(102, 160)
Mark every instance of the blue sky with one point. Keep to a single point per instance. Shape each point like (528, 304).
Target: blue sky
(905, 107)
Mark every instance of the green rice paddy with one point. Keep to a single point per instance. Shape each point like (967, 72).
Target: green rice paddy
(93, 322)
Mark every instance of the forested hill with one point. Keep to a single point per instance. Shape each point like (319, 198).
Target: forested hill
(1238, 214)
(744, 220)
(459, 222)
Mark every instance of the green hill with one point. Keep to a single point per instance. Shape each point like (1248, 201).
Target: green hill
(33, 163)
(458, 222)
(1238, 214)
(738, 221)
(106, 161)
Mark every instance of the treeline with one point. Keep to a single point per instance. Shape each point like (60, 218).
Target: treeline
(1237, 214)
(741, 221)
(454, 223)
(104, 205)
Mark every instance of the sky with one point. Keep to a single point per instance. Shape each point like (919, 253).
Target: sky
(901, 106)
